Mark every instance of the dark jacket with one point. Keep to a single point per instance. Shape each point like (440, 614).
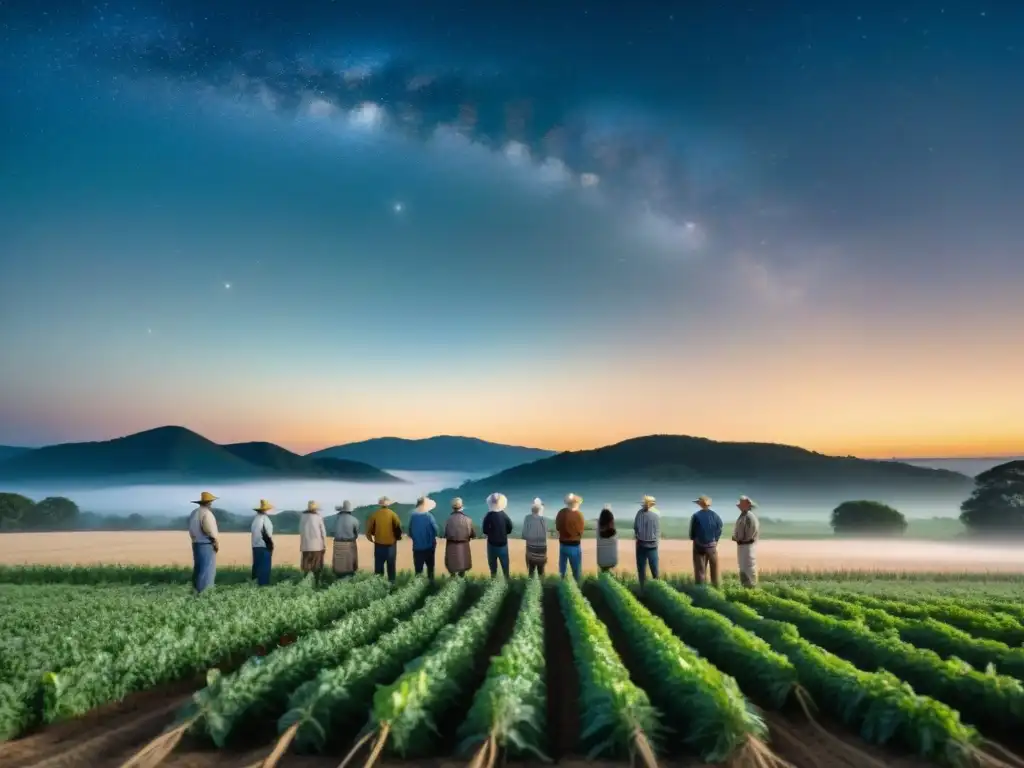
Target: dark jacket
(705, 528)
(497, 526)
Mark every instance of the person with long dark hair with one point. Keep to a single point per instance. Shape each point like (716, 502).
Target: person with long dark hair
(607, 540)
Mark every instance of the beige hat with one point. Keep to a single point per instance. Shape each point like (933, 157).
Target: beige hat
(312, 507)
(346, 506)
(265, 506)
(385, 501)
(496, 502)
(424, 504)
(746, 499)
(647, 501)
(456, 503)
(704, 501)
(572, 500)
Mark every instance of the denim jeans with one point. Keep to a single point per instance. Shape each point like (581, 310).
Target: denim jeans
(497, 555)
(204, 566)
(262, 559)
(646, 556)
(424, 558)
(384, 556)
(570, 555)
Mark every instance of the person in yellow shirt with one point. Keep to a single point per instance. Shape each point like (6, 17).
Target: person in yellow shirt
(384, 529)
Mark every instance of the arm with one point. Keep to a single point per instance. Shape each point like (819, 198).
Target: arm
(208, 524)
(581, 524)
(323, 530)
(508, 524)
(718, 527)
(433, 527)
(370, 528)
(636, 524)
(693, 526)
(396, 526)
(267, 540)
(472, 530)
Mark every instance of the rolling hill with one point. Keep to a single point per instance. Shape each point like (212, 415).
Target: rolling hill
(675, 468)
(172, 454)
(10, 451)
(442, 453)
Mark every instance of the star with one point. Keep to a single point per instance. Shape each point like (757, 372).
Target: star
(227, 286)
(398, 207)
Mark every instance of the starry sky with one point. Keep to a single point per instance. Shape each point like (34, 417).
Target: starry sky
(553, 224)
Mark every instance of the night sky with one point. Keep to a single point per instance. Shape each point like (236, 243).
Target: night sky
(555, 224)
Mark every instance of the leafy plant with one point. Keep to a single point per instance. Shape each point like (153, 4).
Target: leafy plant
(616, 716)
(508, 709)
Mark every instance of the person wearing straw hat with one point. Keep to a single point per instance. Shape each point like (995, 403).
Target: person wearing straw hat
(535, 533)
(647, 532)
(345, 561)
(705, 531)
(458, 531)
(312, 540)
(384, 529)
(607, 540)
(496, 527)
(424, 532)
(202, 529)
(745, 533)
(262, 533)
(570, 524)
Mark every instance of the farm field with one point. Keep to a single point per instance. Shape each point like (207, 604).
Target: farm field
(97, 664)
(172, 548)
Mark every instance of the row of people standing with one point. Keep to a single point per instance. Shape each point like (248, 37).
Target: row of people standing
(384, 530)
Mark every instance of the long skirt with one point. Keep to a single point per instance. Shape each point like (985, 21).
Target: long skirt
(458, 557)
(746, 554)
(204, 566)
(262, 559)
(346, 557)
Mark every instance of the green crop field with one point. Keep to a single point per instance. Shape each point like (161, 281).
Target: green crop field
(124, 666)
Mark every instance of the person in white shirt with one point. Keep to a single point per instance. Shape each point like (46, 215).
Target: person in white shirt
(312, 540)
(202, 529)
(262, 543)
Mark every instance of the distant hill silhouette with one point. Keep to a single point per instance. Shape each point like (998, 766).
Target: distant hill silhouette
(680, 467)
(171, 454)
(278, 459)
(10, 451)
(441, 453)
(968, 465)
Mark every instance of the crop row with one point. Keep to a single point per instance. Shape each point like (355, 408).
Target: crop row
(877, 704)
(103, 661)
(985, 700)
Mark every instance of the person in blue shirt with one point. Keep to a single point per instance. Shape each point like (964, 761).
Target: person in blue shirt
(423, 532)
(705, 531)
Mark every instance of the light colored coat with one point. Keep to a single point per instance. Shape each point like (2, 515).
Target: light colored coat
(312, 532)
(202, 525)
(260, 524)
(608, 552)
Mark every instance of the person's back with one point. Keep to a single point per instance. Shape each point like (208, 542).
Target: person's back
(607, 540)
(570, 525)
(497, 525)
(705, 528)
(384, 526)
(346, 527)
(422, 531)
(312, 533)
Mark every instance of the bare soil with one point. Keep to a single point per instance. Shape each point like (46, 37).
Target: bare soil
(173, 548)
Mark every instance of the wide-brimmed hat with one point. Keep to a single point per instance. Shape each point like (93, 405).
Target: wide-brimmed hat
(265, 506)
(537, 505)
(424, 504)
(647, 501)
(704, 501)
(746, 499)
(345, 506)
(572, 500)
(385, 501)
(496, 502)
(312, 506)
(457, 503)
(205, 498)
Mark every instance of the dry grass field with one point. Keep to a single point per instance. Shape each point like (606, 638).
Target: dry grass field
(172, 548)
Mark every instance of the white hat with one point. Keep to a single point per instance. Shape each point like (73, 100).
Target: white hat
(385, 501)
(647, 501)
(457, 503)
(747, 499)
(538, 505)
(496, 502)
(312, 507)
(346, 506)
(424, 504)
(572, 500)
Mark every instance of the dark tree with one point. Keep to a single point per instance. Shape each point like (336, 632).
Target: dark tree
(15, 511)
(997, 503)
(55, 513)
(867, 517)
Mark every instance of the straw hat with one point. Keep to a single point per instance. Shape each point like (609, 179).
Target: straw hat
(647, 502)
(456, 503)
(573, 501)
(424, 504)
(265, 506)
(312, 507)
(346, 506)
(385, 501)
(205, 498)
(704, 501)
(496, 502)
(537, 505)
(746, 500)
